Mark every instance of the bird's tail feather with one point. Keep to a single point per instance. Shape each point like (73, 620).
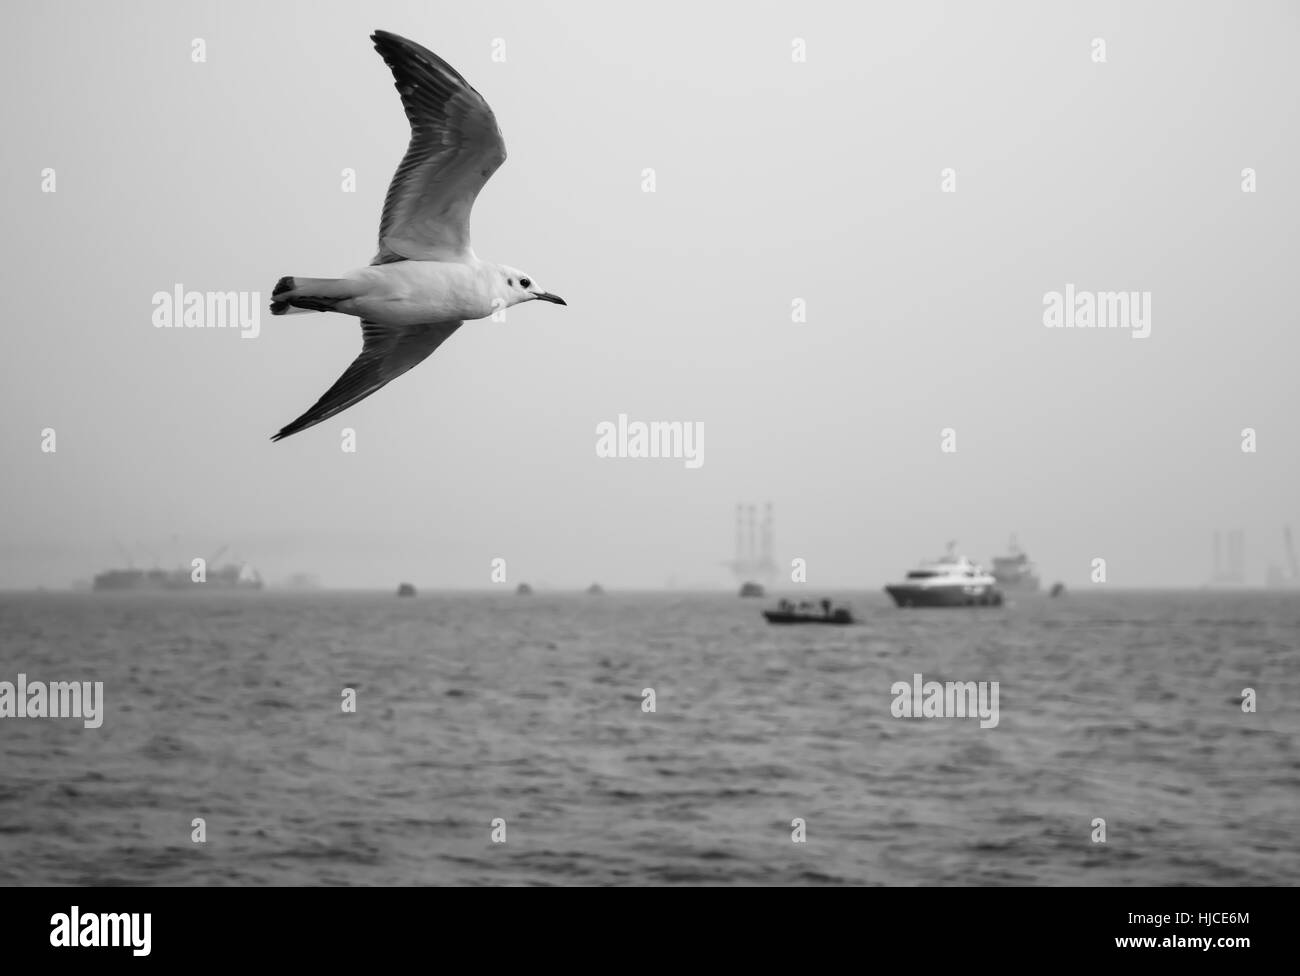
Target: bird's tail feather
(308, 294)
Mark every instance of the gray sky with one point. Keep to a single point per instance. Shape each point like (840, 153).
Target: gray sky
(775, 180)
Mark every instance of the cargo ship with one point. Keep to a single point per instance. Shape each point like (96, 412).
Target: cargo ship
(229, 577)
(1014, 571)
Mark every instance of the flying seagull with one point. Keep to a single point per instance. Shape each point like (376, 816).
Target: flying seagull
(425, 280)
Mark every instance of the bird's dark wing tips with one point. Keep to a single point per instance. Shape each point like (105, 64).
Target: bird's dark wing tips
(386, 354)
(396, 50)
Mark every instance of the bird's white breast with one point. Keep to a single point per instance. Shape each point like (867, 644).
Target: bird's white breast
(414, 292)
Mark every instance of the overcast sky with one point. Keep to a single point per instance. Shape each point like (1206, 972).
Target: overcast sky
(775, 180)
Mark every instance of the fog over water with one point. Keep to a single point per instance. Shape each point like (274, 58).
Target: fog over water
(775, 181)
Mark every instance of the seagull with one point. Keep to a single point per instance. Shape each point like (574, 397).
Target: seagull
(425, 280)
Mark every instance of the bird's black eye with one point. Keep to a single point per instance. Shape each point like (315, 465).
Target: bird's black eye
(525, 282)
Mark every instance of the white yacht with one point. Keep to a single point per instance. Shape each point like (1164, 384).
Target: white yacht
(949, 581)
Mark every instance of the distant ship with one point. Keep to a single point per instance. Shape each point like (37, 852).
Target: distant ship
(1014, 571)
(302, 581)
(751, 588)
(228, 577)
(406, 589)
(949, 581)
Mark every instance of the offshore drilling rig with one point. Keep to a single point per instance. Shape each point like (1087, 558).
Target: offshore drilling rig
(753, 566)
(1229, 565)
(1288, 577)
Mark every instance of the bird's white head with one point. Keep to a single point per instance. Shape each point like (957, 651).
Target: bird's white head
(517, 286)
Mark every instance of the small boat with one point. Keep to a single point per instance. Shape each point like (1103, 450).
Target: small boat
(406, 589)
(595, 589)
(949, 581)
(752, 589)
(523, 589)
(1058, 589)
(807, 613)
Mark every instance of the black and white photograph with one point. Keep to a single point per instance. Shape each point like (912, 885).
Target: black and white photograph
(686, 444)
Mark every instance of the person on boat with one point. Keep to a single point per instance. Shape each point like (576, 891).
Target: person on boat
(826, 608)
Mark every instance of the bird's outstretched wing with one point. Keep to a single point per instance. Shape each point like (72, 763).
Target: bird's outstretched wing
(455, 147)
(388, 352)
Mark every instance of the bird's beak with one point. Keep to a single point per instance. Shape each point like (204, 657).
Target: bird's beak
(546, 296)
